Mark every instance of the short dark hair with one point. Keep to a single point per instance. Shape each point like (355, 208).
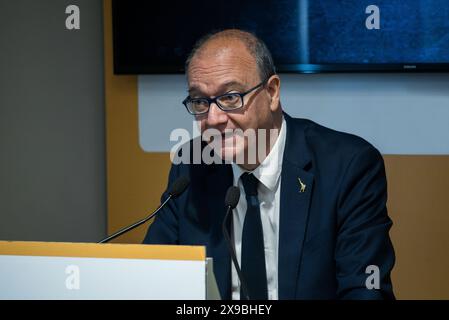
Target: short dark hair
(256, 47)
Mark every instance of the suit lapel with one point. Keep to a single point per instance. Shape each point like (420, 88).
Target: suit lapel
(296, 191)
(294, 211)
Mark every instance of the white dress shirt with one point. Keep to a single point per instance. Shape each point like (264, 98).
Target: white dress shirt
(269, 175)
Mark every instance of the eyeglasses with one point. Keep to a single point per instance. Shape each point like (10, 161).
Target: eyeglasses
(226, 102)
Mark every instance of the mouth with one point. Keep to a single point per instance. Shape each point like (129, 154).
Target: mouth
(223, 137)
(220, 135)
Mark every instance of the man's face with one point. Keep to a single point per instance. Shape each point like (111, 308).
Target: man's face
(222, 67)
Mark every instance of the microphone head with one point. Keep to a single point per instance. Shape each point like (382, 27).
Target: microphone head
(232, 197)
(179, 186)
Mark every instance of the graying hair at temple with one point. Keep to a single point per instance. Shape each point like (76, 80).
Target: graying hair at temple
(255, 46)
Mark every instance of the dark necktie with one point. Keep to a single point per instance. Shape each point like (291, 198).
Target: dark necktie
(253, 253)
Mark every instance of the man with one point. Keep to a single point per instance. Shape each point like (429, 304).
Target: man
(311, 222)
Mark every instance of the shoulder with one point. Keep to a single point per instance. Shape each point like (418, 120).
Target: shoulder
(333, 144)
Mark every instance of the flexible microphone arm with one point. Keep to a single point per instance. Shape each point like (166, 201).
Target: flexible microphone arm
(177, 188)
(232, 198)
(135, 225)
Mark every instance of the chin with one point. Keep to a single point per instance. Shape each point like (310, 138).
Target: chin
(233, 155)
(227, 154)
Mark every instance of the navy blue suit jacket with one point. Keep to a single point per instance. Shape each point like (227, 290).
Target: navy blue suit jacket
(328, 235)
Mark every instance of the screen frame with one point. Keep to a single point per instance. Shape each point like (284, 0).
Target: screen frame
(120, 68)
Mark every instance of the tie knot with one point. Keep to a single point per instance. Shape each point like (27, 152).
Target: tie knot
(250, 184)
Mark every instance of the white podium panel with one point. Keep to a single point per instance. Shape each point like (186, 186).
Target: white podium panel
(39, 270)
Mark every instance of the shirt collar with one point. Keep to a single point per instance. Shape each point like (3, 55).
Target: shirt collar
(269, 171)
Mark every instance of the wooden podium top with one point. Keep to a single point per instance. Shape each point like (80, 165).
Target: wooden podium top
(104, 250)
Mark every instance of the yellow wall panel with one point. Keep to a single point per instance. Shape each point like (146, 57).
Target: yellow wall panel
(418, 191)
(135, 179)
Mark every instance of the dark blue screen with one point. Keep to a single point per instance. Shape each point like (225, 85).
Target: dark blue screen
(156, 36)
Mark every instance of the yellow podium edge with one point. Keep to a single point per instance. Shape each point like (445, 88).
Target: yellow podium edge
(106, 250)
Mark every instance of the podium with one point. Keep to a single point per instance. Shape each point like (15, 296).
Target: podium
(56, 271)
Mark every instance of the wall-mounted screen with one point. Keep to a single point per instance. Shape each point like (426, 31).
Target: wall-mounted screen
(303, 35)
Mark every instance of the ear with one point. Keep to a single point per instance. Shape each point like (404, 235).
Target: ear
(273, 89)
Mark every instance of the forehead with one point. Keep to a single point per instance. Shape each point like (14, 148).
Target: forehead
(221, 63)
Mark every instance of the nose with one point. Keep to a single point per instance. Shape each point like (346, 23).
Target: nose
(216, 117)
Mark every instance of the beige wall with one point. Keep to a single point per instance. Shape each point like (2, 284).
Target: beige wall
(418, 191)
(419, 206)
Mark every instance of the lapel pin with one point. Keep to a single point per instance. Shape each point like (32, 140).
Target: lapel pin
(302, 186)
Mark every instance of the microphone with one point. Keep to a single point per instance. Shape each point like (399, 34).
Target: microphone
(178, 187)
(231, 200)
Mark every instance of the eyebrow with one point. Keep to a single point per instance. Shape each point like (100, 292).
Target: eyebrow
(227, 85)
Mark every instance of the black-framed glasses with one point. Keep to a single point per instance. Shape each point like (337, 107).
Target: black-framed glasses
(226, 102)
